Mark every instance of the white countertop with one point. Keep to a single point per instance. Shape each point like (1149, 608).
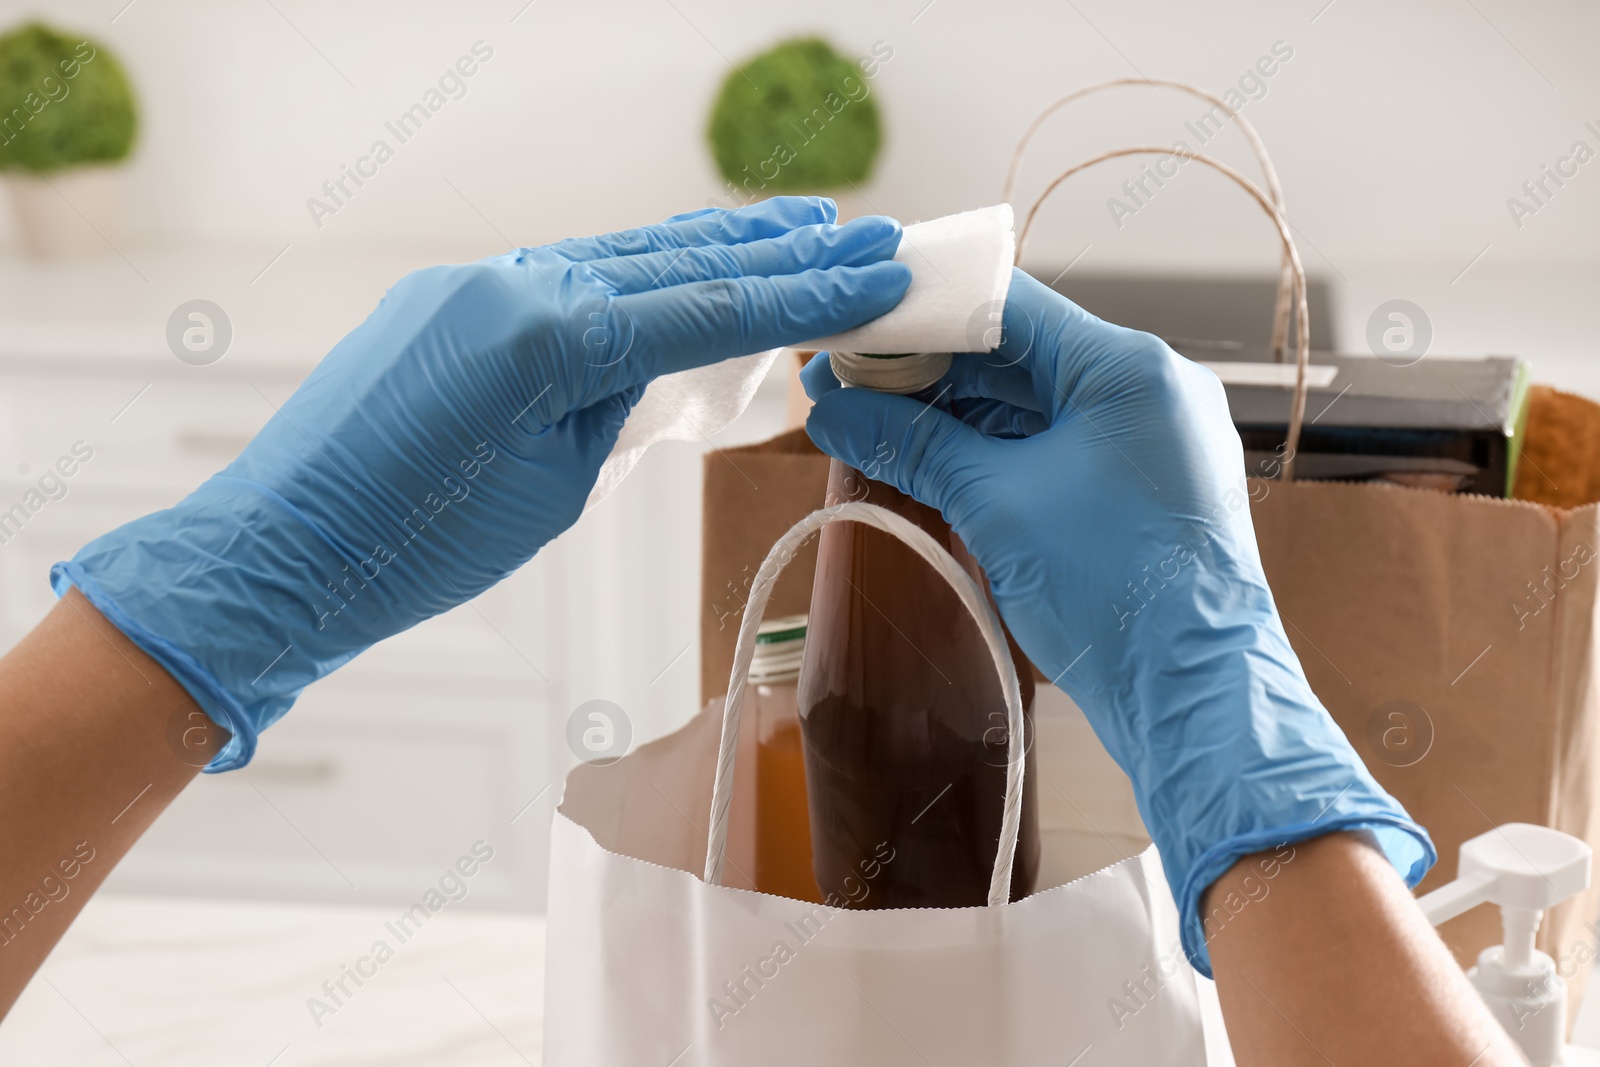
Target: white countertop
(162, 982)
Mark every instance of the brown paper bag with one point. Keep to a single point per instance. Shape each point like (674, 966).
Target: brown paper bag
(1453, 638)
(753, 494)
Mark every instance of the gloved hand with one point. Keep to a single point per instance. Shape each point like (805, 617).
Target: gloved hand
(450, 436)
(1098, 479)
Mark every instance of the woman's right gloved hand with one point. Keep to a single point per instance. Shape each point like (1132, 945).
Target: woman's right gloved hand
(1097, 477)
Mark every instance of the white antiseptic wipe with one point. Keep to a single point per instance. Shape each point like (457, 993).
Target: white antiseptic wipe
(960, 274)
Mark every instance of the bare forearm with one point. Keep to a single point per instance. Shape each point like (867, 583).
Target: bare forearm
(1322, 956)
(96, 739)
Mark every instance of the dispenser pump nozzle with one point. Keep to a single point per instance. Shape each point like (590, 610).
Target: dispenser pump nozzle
(1526, 870)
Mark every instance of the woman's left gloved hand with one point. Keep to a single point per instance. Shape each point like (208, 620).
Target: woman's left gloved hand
(450, 436)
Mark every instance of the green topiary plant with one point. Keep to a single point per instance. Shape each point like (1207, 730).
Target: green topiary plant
(796, 118)
(64, 101)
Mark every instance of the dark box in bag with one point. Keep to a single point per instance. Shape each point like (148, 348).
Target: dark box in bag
(1439, 423)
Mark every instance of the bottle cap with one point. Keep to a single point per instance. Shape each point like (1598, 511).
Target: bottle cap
(780, 645)
(901, 372)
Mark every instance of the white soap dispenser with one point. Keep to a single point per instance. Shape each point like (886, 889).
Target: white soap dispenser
(1526, 870)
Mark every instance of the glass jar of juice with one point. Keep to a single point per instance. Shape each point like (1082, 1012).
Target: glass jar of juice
(782, 825)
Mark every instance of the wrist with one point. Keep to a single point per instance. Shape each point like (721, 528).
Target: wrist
(229, 592)
(1288, 774)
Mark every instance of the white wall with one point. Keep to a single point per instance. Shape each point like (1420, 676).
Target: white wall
(1400, 130)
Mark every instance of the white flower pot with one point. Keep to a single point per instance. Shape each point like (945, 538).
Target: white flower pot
(68, 214)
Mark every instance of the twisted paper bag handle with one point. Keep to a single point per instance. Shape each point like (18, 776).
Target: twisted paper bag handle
(1271, 203)
(1269, 174)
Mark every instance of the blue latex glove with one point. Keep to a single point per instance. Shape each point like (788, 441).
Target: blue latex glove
(450, 436)
(1098, 479)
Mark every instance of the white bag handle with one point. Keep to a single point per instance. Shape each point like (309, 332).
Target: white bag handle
(971, 595)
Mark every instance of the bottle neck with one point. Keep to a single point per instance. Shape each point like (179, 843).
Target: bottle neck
(902, 373)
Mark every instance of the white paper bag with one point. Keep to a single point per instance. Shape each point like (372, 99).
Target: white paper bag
(650, 966)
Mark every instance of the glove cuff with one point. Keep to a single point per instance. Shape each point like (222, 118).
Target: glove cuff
(1402, 841)
(1231, 752)
(232, 592)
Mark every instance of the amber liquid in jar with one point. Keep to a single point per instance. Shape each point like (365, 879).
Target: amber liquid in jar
(904, 722)
(783, 838)
(782, 819)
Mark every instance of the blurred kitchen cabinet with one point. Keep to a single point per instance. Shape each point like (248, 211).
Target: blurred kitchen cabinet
(385, 773)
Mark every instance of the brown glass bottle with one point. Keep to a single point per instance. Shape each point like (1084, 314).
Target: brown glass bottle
(903, 721)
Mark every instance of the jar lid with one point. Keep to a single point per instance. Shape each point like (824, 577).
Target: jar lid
(902, 372)
(780, 646)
